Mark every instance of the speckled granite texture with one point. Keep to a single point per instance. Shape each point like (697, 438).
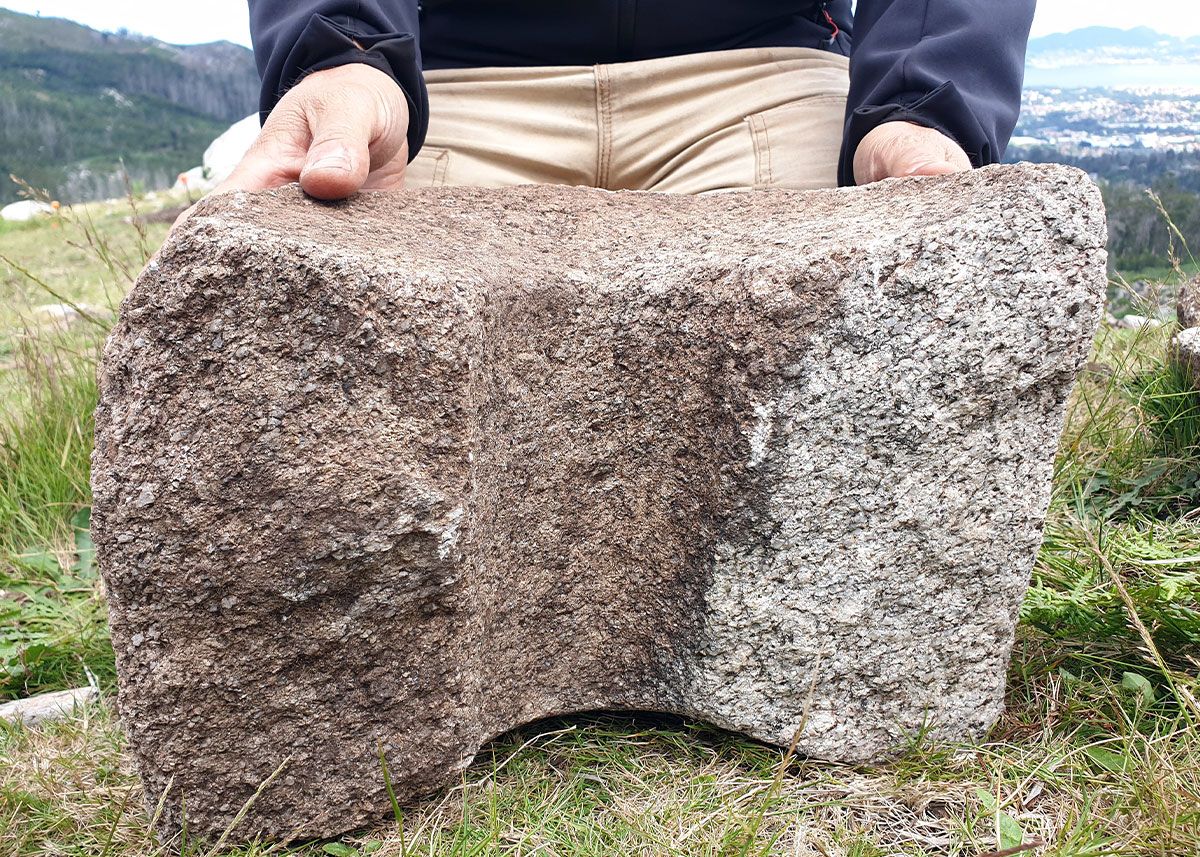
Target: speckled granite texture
(409, 471)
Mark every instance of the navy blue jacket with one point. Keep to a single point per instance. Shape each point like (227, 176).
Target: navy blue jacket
(954, 65)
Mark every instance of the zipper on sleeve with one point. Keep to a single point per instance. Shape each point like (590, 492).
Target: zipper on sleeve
(823, 17)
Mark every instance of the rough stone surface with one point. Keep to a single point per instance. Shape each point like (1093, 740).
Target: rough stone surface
(1188, 304)
(412, 470)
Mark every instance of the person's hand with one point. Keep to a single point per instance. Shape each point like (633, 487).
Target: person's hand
(336, 132)
(900, 149)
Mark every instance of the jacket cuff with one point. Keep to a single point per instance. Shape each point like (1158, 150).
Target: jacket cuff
(942, 109)
(327, 44)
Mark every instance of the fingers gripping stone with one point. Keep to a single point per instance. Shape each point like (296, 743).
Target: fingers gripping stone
(408, 471)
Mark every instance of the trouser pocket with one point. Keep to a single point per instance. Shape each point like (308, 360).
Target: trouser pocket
(796, 145)
(428, 168)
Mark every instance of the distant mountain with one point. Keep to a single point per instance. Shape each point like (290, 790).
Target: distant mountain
(1090, 38)
(74, 102)
(1106, 56)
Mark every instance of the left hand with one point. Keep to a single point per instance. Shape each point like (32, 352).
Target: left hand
(336, 131)
(901, 149)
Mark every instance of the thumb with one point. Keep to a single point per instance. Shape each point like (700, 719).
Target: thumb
(339, 157)
(900, 149)
(927, 153)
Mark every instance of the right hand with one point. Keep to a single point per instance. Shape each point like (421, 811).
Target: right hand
(337, 131)
(903, 149)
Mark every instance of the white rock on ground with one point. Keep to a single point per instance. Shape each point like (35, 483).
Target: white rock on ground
(24, 211)
(63, 315)
(1136, 322)
(47, 706)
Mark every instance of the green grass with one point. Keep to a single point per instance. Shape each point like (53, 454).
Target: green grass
(53, 632)
(1097, 754)
(1161, 273)
(87, 257)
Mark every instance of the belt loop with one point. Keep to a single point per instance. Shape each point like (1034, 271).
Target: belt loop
(603, 125)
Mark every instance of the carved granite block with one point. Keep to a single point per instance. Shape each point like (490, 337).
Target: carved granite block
(412, 470)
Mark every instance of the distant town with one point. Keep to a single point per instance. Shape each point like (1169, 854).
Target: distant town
(1098, 91)
(1081, 121)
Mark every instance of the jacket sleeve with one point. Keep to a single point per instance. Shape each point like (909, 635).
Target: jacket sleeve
(953, 65)
(292, 39)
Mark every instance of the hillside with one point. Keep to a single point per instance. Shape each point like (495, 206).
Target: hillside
(1137, 39)
(74, 102)
(1106, 56)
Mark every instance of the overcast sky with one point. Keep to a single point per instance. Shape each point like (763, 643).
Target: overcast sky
(212, 20)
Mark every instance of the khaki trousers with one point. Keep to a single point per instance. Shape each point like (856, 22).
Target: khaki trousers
(724, 120)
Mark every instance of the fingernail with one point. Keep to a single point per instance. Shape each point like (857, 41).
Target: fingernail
(329, 157)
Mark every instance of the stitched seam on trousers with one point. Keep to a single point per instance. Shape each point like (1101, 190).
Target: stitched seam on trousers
(439, 169)
(604, 125)
(762, 150)
(437, 159)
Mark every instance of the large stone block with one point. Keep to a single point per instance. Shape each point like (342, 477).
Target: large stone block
(412, 470)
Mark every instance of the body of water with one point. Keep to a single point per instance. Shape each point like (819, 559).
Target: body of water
(1183, 75)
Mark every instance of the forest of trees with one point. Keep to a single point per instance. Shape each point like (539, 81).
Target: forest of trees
(75, 104)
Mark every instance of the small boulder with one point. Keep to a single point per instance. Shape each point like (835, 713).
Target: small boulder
(25, 210)
(47, 706)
